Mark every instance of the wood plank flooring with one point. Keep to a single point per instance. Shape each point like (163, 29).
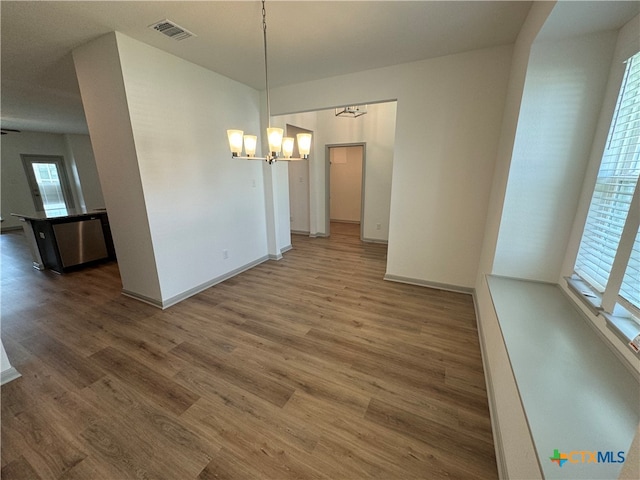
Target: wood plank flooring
(311, 367)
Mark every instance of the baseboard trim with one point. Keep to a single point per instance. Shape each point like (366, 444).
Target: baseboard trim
(428, 284)
(164, 304)
(286, 249)
(375, 240)
(318, 235)
(142, 298)
(300, 232)
(11, 229)
(8, 375)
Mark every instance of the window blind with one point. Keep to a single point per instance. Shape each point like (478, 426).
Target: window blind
(616, 182)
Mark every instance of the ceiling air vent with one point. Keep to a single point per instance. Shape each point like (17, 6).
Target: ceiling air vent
(171, 30)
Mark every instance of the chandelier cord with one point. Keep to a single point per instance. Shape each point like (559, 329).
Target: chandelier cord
(266, 67)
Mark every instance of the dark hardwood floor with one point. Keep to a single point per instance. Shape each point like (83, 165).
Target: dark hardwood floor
(309, 367)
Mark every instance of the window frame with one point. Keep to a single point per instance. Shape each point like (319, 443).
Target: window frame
(609, 299)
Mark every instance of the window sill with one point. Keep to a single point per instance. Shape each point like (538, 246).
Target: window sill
(625, 328)
(621, 322)
(584, 293)
(573, 387)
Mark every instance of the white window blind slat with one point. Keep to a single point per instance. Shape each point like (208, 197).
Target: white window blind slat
(630, 289)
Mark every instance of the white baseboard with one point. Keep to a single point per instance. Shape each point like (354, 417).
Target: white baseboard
(286, 249)
(8, 375)
(142, 298)
(164, 304)
(375, 240)
(426, 283)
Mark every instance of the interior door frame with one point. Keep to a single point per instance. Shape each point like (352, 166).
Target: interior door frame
(28, 160)
(327, 188)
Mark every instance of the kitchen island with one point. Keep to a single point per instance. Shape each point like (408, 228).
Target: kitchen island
(66, 239)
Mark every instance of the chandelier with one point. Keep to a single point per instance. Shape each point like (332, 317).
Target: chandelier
(352, 111)
(278, 145)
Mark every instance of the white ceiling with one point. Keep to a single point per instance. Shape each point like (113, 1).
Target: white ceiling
(307, 40)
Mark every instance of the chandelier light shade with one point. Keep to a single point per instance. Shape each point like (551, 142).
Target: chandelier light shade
(287, 147)
(250, 144)
(235, 141)
(274, 135)
(304, 144)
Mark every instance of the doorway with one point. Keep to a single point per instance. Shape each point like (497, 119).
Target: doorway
(345, 185)
(48, 183)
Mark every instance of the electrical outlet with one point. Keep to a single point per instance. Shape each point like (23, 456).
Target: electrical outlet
(378, 226)
(253, 183)
(225, 254)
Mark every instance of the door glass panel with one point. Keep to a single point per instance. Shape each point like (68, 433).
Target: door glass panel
(50, 186)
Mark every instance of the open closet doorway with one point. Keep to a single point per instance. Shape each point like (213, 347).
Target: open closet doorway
(345, 185)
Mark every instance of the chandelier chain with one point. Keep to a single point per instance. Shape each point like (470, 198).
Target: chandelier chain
(266, 66)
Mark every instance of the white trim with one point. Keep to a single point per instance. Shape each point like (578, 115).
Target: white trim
(286, 249)
(8, 375)
(512, 376)
(375, 240)
(501, 462)
(426, 283)
(164, 304)
(142, 298)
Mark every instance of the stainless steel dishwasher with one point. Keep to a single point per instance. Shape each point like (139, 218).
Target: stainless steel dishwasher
(80, 242)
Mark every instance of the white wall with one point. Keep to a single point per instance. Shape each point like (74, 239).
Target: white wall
(16, 195)
(563, 95)
(515, 451)
(377, 130)
(449, 114)
(176, 199)
(81, 153)
(104, 101)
